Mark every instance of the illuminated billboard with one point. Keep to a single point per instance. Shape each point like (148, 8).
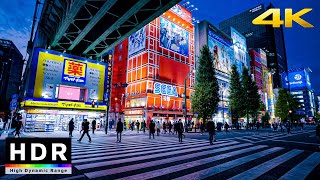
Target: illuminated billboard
(174, 37)
(222, 52)
(137, 42)
(239, 47)
(298, 80)
(52, 71)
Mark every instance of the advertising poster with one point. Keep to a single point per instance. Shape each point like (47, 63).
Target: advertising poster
(173, 37)
(239, 47)
(297, 79)
(137, 42)
(50, 71)
(221, 51)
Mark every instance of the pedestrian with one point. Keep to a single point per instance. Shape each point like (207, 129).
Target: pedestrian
(201, 128)
(151, 129)
(226, 126)
(86, 125)
(170, 128)
(180, 130)
(138, 126)
(93, 125)
(18, 128)
(125, 125)
(71, 127)
(288, 127)
(82, 125)
(164, 126)
(144, 126)
(119, 130)
(211, 129)
(132, 124)
(281, 128)
(158, 128)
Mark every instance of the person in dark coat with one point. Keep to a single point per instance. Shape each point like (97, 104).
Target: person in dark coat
(180, 130)
(170, 128)
(211, 129)
(18, 128)
(152, 126)
(138, 126)
(164, 127)
(119, 130)
(143, 126)
(226, 126)
(86, 125)
(71, 127)
(93, 124)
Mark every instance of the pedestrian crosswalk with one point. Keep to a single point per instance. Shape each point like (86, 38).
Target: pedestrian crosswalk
(138, 157)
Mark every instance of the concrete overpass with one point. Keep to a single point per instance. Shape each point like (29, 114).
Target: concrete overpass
(93, 27)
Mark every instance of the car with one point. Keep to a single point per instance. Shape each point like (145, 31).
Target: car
(1, 124)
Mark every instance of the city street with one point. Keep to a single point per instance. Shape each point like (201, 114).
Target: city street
(246, 154)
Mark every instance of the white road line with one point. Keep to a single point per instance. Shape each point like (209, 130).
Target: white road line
(166, 152)
(243, 139)
(259, 170)
(303, 169)
(184, 166)
(228, 165)
(133, 167)
(316, 144)
(124, 152)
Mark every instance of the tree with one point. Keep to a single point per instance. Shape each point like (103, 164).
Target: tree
(262, 106)
(236, 95)
(206, 96)
(265, 118)
(285, 103)
(245, 81)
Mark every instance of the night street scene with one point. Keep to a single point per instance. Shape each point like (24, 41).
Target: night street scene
(159, 89)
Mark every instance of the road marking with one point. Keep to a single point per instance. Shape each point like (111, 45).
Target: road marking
(160, 162)
(12, 176)
(316, 144)
(259, 170)
(303, 169)
(228, 165)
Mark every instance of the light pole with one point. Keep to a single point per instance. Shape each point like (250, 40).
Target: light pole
(185, 99)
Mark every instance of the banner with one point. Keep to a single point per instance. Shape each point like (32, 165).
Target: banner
(137, 42)
(64, 104)
(174, 37)
(51, 69)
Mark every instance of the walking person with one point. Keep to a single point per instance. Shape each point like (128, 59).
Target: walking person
(82, 125)
(201, 128)
(151, 129)
(119, 130)
(226, 126)
(143, 126)
(71, 127)
(138, 126)
(170, 128)
(212, 131)
(18, 128)
(164, 127)
(132, 124)
(158, 128)
(180, 130)
(86, 125)
(93, 125)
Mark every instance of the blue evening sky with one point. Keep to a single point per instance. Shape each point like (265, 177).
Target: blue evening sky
(301, 44)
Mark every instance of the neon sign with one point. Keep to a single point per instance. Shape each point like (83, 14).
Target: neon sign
(165, 89)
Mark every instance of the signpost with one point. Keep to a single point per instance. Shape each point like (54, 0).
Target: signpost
(13, 106)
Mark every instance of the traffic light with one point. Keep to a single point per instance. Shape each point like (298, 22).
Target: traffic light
(93, 104)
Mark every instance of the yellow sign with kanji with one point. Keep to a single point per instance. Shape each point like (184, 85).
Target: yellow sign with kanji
(74, 71)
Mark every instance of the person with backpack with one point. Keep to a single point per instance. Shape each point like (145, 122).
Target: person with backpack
(86, 125)
(71, 127)
(119, 130)
(151, 129)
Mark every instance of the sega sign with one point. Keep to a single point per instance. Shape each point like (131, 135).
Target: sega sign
(165, 89)
(296, 80)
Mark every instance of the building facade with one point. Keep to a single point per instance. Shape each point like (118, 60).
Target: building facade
(64, 87)
(256, 71)
(266, 37)
(297, 81)
(11, 65)
(221, 47)
(156, 60)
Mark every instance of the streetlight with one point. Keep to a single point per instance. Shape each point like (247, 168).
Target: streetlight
(185, 97)
(290, 114)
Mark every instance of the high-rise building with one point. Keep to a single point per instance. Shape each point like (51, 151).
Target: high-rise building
(221, 47)
(156, 61)
(297, 81)
(268, 38)
(11, 65)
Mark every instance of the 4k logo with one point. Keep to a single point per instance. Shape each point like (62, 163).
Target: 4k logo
(276, 21)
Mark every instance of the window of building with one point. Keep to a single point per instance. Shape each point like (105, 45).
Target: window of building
(120, 47)
(120, 57)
